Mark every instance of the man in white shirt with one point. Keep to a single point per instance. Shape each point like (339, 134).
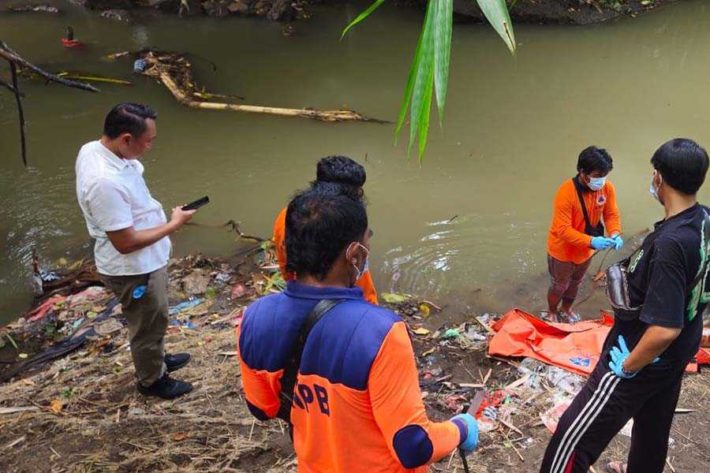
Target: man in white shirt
(132, 246)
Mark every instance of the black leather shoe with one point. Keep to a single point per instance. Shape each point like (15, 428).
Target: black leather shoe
(166, 387)
(176, 361)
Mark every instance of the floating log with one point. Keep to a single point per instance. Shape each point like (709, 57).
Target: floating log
(174, 71)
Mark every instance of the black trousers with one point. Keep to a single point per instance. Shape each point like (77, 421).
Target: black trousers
(604, 406)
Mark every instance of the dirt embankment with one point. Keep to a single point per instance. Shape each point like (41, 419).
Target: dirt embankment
(579, 12)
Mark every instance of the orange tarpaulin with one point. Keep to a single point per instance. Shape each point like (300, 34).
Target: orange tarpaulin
(574, 347)
(703, 356)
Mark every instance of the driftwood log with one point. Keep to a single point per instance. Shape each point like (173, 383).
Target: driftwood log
(174, 71)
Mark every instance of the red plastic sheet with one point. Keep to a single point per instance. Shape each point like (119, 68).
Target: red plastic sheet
(574, 347)
(703, 356)
(45, 308)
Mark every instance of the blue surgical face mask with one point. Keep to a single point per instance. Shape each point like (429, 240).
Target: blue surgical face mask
(596, 183)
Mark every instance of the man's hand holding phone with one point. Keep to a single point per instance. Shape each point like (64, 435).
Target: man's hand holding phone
(183, 214)
(180, 217)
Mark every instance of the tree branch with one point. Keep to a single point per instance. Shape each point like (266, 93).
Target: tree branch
(16, 61)
(9, 87)
(12, 57)
(20, 111)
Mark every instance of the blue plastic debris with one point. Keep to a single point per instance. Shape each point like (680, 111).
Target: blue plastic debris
(490, 412)
(139, 65)
(139, 291)
(185, 324)
(188, 304)
(49, 276)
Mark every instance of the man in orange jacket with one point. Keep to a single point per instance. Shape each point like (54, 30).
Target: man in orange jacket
(585, 210)
(355, 405)
(333, 172)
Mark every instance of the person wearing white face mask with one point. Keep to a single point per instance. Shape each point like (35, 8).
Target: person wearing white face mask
(658, 294)
(585, 211)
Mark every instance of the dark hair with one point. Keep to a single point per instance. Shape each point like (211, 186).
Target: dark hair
(127, 118)
(683, 164)
(319, 227)
(334, 188)
(595, 159)
(341, 170)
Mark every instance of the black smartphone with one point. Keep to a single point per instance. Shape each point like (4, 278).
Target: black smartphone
(197, 203)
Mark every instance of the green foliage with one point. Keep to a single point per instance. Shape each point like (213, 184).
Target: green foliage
(442, 52)
(362, 16)
(49, 329)
(496, 12)
(393, 298)
(421, 94)
(429, 72)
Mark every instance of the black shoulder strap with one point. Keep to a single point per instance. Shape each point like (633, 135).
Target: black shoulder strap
(288, 380)
(577, 187)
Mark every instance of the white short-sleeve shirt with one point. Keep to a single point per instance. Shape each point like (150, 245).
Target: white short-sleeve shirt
(113, 195)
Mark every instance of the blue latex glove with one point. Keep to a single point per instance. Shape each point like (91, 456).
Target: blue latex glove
(618, 355)
(602, 243)
(618, 242)
(471, 441)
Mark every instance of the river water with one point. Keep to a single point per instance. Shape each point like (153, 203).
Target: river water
(470, 220)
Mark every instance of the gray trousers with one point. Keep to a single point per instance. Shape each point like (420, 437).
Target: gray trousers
(147, 316)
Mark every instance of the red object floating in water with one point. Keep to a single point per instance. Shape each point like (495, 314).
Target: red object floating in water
(72, 43)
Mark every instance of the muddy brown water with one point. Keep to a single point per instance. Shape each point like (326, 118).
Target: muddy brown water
(470, 221)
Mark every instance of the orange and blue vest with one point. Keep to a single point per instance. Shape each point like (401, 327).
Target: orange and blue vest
(357, 406)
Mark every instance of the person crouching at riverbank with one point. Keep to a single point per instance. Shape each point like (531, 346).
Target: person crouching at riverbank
(350, 177)
(340, 369)
(585, 210)
(132, 245)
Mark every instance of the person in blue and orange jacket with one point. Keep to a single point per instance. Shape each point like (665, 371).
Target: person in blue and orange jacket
(357, 406)
(350, 177)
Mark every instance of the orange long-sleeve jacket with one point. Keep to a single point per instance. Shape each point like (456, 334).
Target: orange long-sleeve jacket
(566, 240)
(357, 406)
(279, 238)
